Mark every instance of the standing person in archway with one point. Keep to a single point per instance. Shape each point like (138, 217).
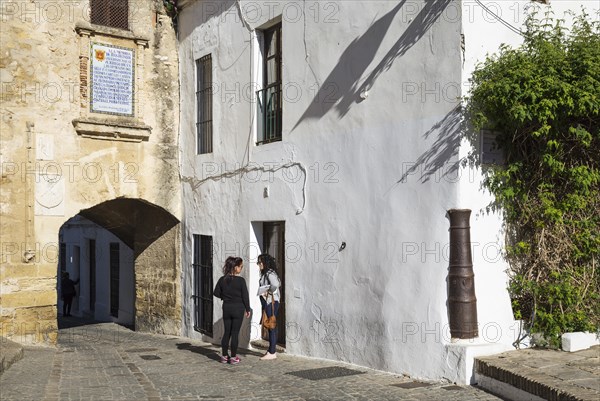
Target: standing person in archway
(67, 289)
(232, 289)
(270, 297)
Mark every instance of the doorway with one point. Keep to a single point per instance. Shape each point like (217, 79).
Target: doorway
(115, 278)
(76, 263)
(274, 245)
(92, 274)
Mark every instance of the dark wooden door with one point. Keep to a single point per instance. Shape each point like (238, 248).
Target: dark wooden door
(92, 273)
(115, 279)
(274, 245)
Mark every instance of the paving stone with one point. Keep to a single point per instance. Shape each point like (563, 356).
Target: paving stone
(104, 361)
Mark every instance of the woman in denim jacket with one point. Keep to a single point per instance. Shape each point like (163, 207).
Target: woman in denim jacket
(270, 298)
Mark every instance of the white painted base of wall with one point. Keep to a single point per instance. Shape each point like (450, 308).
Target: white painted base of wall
(504, 390)
(460, 358)
(579, 340)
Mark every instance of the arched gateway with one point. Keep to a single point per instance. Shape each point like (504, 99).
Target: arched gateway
(125, 253)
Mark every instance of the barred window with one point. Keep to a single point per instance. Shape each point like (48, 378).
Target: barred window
(113, 13)
(204, 104)
(202, 266)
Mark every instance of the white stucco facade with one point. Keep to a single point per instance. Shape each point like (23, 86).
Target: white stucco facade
(370, 157)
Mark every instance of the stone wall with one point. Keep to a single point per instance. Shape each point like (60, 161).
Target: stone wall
(58, 157)
(158, 299)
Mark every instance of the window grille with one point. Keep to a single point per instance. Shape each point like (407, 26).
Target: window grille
(113, 13)
(202, 267)
(204, 104)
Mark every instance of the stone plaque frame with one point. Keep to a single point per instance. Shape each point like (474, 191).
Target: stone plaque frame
(99, 124)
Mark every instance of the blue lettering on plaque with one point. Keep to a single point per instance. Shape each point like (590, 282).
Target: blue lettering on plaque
(112, 80)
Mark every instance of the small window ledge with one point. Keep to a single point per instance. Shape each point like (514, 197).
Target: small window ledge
(102, 129)
(85, 28)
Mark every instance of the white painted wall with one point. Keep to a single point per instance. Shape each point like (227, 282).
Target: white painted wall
(376, 168)
(76, 233)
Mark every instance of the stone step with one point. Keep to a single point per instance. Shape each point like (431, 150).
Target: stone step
(10, 352)
(264, 345)
(541, 379)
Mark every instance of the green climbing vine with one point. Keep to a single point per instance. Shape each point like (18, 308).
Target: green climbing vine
(543, 100)
(172, 10)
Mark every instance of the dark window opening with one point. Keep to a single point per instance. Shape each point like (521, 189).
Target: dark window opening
(269, 98)
(204, 104)
(63, 257)
(113, 13)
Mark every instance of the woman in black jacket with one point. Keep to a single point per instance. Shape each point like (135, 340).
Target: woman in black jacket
(232, 289)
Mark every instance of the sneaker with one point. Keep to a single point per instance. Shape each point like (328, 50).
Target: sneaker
(234, 360)
(269, 356)
(224, 358)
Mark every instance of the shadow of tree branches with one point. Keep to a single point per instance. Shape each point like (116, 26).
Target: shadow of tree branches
(345, 77)
(441, 160)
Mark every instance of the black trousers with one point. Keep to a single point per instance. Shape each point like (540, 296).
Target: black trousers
(233, 316)
(67, 301)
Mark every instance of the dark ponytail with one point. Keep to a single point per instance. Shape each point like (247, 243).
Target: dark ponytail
(230, 265)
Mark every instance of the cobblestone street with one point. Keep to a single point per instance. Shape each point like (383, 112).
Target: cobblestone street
(105, 361)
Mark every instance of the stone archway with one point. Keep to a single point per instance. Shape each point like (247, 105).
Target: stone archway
(153, 235)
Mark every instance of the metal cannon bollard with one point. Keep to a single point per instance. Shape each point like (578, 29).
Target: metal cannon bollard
(462, 304)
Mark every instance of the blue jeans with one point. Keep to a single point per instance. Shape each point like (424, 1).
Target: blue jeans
(267, 307)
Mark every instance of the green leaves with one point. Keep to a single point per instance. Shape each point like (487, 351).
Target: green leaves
(544, 100)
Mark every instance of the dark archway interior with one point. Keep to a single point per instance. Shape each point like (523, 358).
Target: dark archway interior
(134, 221)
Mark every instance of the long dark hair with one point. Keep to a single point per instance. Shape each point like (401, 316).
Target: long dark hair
(230, 265)
(268, 262)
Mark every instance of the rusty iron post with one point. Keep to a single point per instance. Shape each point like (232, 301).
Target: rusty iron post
(462, 304)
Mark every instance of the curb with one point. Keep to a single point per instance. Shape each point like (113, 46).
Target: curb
(10, 352)
(526, 381)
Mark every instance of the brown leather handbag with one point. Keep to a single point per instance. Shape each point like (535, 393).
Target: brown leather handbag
(269, 322)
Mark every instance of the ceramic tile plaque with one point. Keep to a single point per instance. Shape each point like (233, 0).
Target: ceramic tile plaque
(112, 79)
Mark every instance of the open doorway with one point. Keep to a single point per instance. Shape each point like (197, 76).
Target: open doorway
(270, 238)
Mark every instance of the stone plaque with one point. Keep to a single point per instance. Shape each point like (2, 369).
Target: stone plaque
(49, 195)
(112, 79)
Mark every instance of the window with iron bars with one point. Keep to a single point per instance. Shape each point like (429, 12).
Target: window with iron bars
(269, 98)
(204, 104)
(202, 266)
(113, 13)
